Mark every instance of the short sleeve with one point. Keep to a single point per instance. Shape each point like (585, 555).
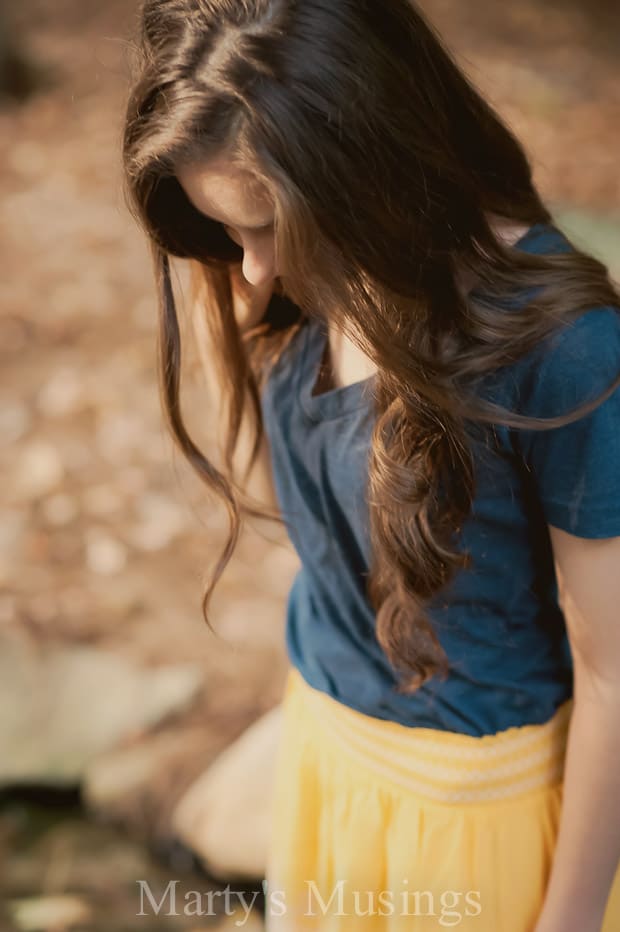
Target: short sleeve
(576, 468)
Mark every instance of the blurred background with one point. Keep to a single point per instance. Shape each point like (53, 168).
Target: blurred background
(135, 744)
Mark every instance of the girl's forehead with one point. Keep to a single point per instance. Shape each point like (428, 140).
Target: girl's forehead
(226, 192)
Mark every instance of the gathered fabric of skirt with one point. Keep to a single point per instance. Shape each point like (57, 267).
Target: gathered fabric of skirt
(385, 828)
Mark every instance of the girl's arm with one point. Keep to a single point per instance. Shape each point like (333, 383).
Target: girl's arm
(588, 845)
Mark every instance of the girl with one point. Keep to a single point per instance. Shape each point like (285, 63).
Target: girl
(432, 371)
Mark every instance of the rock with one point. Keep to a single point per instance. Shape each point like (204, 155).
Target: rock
(13, 525)
(62, 394)
(105, 555)
(27, 158)
(102, 501)
(77, 452)
(119, 434)
(62, 707)
(225, 815)
(44, 913)
(8, 608)
(131, 480)
(60, 509)
(38, 470)
(114, 782)
(160, 522)
(250, 621)
(15, 420)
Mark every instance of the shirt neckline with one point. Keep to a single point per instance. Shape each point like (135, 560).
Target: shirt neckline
(334, 402)
(346, 399)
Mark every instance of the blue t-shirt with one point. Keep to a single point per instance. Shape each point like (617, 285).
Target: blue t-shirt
(499, 620)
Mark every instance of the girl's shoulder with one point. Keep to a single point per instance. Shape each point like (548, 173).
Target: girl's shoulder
(574, 468)
(578, 359)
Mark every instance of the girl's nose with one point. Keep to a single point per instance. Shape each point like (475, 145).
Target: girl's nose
(258, 264)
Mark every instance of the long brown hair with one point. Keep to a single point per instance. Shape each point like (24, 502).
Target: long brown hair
(385, 165)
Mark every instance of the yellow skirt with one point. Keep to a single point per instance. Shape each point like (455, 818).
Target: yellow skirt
(385, 828)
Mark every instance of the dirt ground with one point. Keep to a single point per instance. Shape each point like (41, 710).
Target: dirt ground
(105, 535)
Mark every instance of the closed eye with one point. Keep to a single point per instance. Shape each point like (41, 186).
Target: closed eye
(234, 235)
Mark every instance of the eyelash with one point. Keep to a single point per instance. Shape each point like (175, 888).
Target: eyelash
(228, 231)
(260, 231)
